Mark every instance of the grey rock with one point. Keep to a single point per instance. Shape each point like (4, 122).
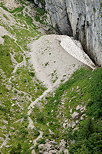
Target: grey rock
(81, 19)
(86, 23)
(59, 17)
(71, 110)
(75, 115)
(79, 107)
(73, 124)
(39, 3)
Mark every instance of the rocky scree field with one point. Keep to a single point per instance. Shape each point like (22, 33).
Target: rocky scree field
(67, 120)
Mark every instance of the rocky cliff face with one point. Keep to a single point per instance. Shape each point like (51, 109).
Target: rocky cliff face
(81, 19)
(59, 16)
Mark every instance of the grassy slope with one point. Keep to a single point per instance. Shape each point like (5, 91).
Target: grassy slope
(19, 89)
(84, 88)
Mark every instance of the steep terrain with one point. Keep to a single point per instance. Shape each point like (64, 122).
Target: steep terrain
(19, 85)
(43, 107)
(81, 19)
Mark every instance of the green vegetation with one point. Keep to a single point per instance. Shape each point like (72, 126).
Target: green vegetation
(42, 2)
(5, 60)
(19, 9)
(84, 88)
(23, 81)
(40, 15)
(54, 76)
(18, 83)
(8, 47)
(94, 9)
(89, 136)
(53, 115)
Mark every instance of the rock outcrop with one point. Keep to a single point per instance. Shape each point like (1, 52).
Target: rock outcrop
(40, 3)
(81, 19)
(59, 17)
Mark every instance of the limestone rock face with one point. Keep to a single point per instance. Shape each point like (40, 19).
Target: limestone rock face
(81, 19)
(86, 23)
(59, 17)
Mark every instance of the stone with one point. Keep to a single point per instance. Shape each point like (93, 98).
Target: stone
(73, 124)
(41, 146)
(75, 115)
(39, 3)
(83, 109)
(5, 121)
(79, 107)
(80, 19)
(71, 110)
(76, 121)
(59, 16)
(66, 151)
(86, 22)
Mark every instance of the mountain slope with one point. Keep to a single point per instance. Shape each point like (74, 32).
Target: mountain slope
(34, 119)
(19, 85)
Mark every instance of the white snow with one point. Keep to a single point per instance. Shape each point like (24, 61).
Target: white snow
(74, 48)
(51, 62)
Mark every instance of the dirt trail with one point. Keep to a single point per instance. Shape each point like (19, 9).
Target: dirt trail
(37, 100)
(53, 62)
(52, 57)
(30, 121)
